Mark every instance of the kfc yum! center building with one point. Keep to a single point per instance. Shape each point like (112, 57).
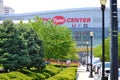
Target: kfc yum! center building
(80, 20)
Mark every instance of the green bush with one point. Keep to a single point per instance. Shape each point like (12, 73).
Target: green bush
(42, 74)
(25, 71)
(67, 74)
(33, 74)
(14, 76)
(52, 70)
(47, 75)
(64, 65)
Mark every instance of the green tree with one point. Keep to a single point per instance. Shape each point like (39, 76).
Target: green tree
(11, 45)
(98, 49)
(57, 39)
(72, 53)
(20, 47)
(35, 55)
(8, 23)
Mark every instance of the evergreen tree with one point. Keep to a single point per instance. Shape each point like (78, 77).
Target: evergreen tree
(34, 47)
(20, 47)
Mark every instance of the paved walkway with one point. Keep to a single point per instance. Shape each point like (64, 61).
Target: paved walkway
(82, 74)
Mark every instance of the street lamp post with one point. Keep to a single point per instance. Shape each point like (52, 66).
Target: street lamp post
(87, 56)
(103, 2)
(91, 73)
(114, 41)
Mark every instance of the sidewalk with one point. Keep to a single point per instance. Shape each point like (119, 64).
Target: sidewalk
(82, 74)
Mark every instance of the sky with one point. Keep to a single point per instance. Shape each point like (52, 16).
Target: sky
(25, 6)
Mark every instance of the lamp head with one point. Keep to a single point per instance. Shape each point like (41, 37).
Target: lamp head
(91, 34)
(103, 2)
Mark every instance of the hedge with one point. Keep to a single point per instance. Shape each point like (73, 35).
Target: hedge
(67, 74)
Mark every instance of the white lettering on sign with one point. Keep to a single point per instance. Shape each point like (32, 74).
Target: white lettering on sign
(58, 20)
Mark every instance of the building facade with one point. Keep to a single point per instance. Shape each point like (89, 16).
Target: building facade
(8, 10)
(80, 20)
(1, 6)
(5, 9)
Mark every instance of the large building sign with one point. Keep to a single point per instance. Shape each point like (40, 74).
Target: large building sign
(74, 21)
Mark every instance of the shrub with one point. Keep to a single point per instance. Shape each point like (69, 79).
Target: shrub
(52, 70)
(41, 74)
(13, 76)
(32, 74)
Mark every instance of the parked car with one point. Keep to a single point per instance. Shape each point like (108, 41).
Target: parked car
(97, 67)
(95, 64)
(107, 70)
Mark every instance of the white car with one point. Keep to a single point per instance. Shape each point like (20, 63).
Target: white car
(107, 70)
(97, 67)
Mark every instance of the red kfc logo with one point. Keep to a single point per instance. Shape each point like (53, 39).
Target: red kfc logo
(58, 20)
